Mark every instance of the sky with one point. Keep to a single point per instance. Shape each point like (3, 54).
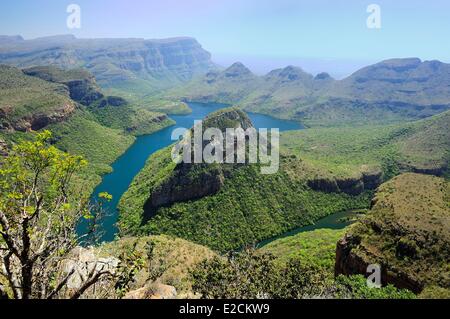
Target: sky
(319, 35)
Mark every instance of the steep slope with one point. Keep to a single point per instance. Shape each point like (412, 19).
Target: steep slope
(81, 117)
(125, 65)
(283, 90)
(407, 232)
(408, 81)
(388, 92)
(81, 84)
(30, 103)
(315, 248)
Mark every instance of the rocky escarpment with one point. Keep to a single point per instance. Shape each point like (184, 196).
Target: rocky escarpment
(156, 63)
(34, 121)
(40, 120)
(81, 84)
(367, 180)
(407, 233)
(189, 181)
(31, 103)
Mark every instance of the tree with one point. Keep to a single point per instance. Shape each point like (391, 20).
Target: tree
(40, 206)
(246, 275)
(251, 274)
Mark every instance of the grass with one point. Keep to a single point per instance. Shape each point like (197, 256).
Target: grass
(131, 119)
(348, 151)
(54, 74)
(100, 134)
(315, 248)
(251, 207)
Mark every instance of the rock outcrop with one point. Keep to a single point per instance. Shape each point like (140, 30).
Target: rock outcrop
(81, 84)
(367, 180)
(82, 262)
(163, 63)
(407, 233)
(31, 103)
(153, 291)
(40, 120)
(189, 181)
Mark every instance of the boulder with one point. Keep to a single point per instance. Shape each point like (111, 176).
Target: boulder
(153, 291)
(82, 261)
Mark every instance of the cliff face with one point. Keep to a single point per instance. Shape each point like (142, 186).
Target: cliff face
(114, 62)
(407, 233)
(40, 120)
(31, 103)
(367, 180)
(80, 83)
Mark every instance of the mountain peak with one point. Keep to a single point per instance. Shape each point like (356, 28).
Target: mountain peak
(230, 117)
(323, 76)
(289, 73)
(237, 69)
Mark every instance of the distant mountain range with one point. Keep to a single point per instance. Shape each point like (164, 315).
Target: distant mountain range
(179, 69)
(385, 92)
(136, 65)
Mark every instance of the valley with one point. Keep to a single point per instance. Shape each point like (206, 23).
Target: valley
(363, 174)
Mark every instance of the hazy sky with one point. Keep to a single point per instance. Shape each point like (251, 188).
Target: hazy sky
(314, 32)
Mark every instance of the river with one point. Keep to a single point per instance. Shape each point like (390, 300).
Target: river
(127, 166)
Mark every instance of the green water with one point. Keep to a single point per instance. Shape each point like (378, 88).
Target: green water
(335, 221)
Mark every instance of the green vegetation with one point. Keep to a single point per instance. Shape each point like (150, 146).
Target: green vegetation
(252, 274)
(100, 145)
(100, 129)
(250, 207)
(40, 206)
(57, 75)
(131, 119)
(165, 106)
(349, 152)
(126, 67)
(315, 248)
(247, 208)
(385, 93)
(356, 287)
(407, 231)
(23, 96)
